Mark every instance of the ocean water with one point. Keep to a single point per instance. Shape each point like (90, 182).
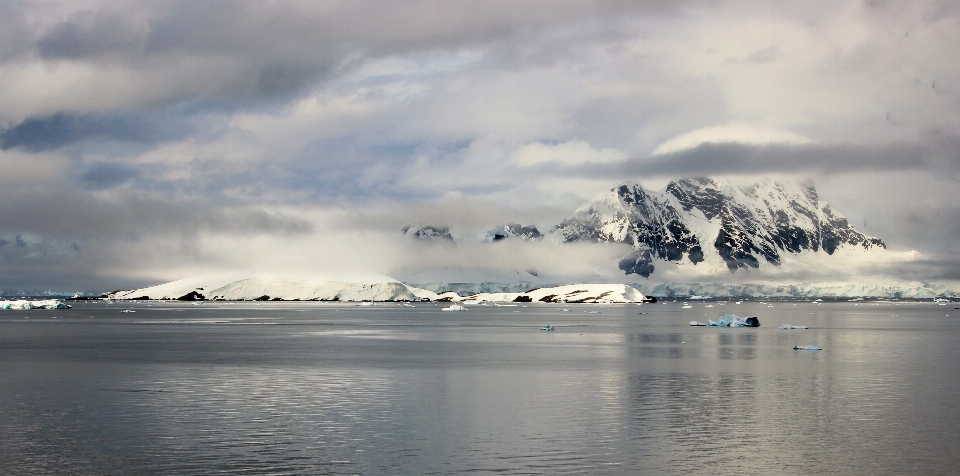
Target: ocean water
(317, 388)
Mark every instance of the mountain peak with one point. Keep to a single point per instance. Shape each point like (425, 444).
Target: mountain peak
(697, 219)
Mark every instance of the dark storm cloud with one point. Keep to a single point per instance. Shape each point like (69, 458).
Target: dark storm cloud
(60, 130)
(101, 176)
(72, 238)
(737, 158)
(90, 34)
(70, 213)
(230, 50)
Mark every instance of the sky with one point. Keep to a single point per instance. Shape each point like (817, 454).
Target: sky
(142, 142)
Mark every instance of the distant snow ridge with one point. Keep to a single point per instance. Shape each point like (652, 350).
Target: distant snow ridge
(572, 293)
(467, 289)
(428, 232)
(703, 218)
(891, 289)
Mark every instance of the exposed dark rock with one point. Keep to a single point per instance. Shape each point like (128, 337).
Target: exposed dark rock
(262, 298)
(192, 296)
(523, 299)
(753, 321)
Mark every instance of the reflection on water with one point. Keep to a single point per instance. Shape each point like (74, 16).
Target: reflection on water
(327, 389)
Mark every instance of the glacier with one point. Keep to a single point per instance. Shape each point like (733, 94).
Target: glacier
(27, 305)
(879, 288)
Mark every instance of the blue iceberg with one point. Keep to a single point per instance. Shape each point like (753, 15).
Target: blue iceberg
(733, 320)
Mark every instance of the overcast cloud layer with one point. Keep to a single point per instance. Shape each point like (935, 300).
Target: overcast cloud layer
(149, 141)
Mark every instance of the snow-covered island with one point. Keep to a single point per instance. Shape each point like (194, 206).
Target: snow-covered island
(286, 289)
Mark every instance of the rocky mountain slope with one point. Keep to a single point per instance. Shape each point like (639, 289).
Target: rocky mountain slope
(704, 219)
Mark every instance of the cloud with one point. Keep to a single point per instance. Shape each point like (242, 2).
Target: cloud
(214, 132)
(737, 158)
(60, 130)
(738, 133)
(567, 153)
(101, 176)
(104, 56)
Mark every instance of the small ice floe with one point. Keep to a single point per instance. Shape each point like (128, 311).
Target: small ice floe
(128, 310)
(806, 347)
(733, 320)
(697, 323)
(595, 312)
(454, 307)
(198, 303)
(547, 327)
(709, 305)
(564, 310)
(686, 306)
(789, 326)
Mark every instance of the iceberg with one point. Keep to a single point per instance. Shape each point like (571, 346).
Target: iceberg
(24, 305)
(697, 323)
(806, 347)
(454, 307)
(733, 320)
(548, 327)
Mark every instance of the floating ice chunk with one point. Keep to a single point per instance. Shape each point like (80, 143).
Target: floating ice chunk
(696, 323)
(733, 320)
(788, 326)
(806, 347)
(454, 307)
(547, 327)
(687, 306)
(24, 305)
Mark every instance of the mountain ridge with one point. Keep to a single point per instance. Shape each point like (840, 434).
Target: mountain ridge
(702, 219)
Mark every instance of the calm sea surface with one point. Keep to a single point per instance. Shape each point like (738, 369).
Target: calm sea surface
(313, 388)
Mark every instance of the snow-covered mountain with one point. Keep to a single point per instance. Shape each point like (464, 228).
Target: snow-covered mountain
(513, 231)
(428, 232)
(277, 289)
(708, 220)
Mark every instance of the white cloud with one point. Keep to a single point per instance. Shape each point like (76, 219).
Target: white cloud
(566, 153)
(738, 132)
